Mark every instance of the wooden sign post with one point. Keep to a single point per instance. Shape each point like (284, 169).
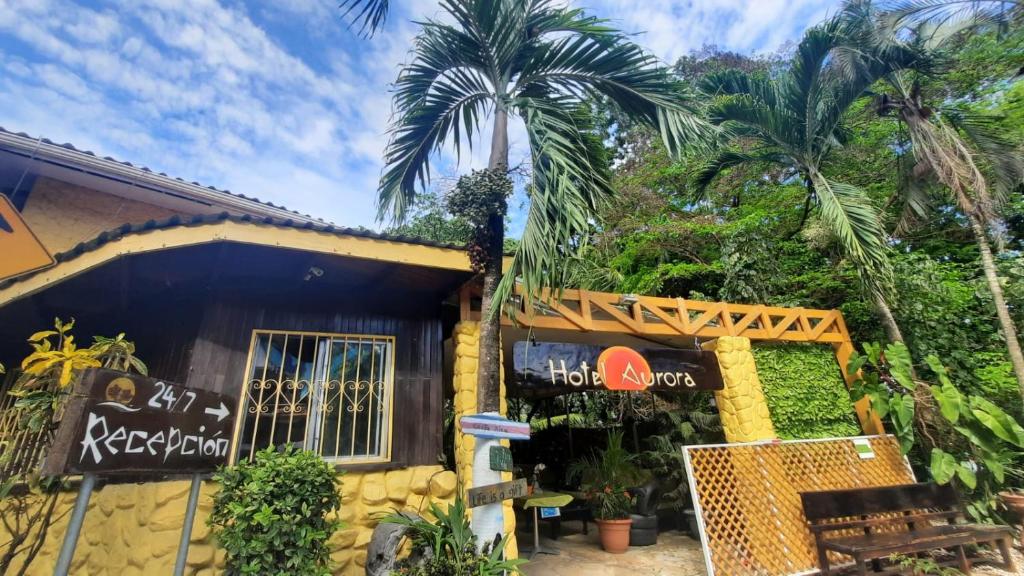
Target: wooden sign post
(489, 461)
(494, 493)
(118, 423)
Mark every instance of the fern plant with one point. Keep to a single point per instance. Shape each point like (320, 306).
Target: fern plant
(665, 456)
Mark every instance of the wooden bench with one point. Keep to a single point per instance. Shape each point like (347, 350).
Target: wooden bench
(909, 519)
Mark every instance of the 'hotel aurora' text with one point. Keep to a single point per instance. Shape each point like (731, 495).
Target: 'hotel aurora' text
(586, 376)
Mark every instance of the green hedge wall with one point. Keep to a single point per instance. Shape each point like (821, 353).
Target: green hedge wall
(805, 391)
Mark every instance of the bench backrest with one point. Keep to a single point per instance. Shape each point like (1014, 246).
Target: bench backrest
(941, 501)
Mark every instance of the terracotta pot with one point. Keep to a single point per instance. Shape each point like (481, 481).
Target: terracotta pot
(614, 535)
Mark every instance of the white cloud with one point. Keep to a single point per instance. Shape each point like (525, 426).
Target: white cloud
(278, 100)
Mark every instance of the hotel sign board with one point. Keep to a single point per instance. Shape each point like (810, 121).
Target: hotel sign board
(22, 250)
(547, 367)
(118, 423)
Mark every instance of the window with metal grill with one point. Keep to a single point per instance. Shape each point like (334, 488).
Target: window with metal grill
(329, 393)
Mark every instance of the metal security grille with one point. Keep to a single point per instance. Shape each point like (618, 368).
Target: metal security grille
(747, 498)
(329, 393)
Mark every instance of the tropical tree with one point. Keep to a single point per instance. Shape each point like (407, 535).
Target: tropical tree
(536, 61)
(794, 121)
(1000, 12)
(960, 150)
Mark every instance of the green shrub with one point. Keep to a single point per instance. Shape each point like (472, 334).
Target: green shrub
(805, 391)
(448, 547)
(274, 515)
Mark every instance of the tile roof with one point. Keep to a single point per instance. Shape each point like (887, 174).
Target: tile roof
(34, 141)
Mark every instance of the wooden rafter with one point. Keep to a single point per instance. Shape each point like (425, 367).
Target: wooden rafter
(587, 311)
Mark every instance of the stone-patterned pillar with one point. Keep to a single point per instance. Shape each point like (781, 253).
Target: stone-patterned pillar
(467, 359)
(741, 402)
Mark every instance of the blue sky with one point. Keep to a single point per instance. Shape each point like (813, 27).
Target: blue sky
(278, 99)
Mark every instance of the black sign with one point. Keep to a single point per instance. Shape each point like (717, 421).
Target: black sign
(543, 367)
(125, 423)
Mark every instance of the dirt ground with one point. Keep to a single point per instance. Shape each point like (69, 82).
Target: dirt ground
(675, 555)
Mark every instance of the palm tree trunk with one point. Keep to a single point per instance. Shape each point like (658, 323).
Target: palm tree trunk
(930, 428)
(488, 384)
(892, 329)
(1009, 330)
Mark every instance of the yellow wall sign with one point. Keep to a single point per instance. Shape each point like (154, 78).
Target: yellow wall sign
(20, 250)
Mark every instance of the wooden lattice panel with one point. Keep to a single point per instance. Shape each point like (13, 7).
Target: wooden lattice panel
(747, 497)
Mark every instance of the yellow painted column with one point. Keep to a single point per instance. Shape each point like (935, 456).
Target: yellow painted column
(467, 360)
(741, 403)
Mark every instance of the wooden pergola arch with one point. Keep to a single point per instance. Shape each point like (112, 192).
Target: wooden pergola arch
(652, 316)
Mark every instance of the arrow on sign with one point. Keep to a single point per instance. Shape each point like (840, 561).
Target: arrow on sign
(221, 413)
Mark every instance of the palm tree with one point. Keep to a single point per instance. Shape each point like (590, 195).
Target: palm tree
(962, 151)
(537, 61)
(794, 121)
(999, 12)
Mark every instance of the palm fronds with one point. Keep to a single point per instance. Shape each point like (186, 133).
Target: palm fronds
(795, 119)
(366, 15)
(539, 61)
(998, 12)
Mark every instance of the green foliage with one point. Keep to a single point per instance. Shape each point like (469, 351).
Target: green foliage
(430, 219)
(979, 457)
(922, 566)
(448, 547)
(477, 199)
(275, 514)
(664, 459)
(944, 310)
(613, 465)
(805, 391)
(610, 502)
(48, 372)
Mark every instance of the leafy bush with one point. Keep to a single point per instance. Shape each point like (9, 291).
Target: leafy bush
(805, 392)
(272, 515)
(610, 502)
(447, 546)
(48, 372)
(985, 439)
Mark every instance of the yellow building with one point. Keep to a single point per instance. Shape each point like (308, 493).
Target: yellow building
(280, 312)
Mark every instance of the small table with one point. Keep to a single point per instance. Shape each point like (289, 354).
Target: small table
(543, 500)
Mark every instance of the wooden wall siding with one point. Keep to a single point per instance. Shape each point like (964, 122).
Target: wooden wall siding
(221, 350)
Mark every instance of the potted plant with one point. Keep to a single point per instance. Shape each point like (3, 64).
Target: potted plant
(603, 476)
(612, 506)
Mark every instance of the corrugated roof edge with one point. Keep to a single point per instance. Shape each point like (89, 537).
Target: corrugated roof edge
(176, 221)
(31, 142)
